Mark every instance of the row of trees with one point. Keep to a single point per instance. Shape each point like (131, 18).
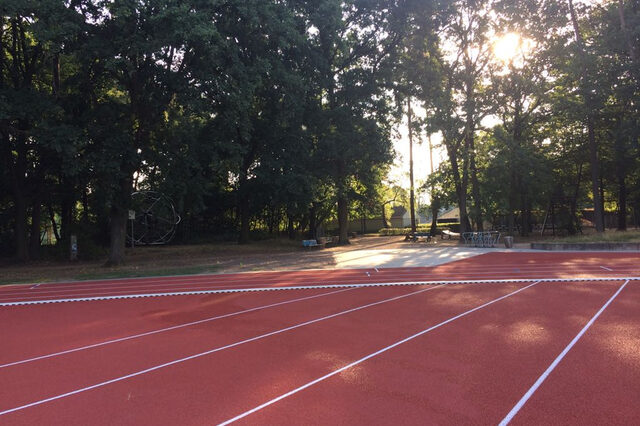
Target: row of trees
(280, 113)
(551, 125)
(232, 108)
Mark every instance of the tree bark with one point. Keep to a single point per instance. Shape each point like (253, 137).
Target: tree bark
(598, 211)
(475, 192)
(384, 216)
(435, 208)
(118, 222)
(20, 227)
(291, 229)
(117, 231)
(66, 210)
(313, 224)
(54, 225)
(244, 216)
(412, 206)
(34, 235)
(622, 203)
(574, 223)
(343, 219)
(460, 186)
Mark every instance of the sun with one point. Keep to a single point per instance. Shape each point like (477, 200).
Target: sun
(507, 46)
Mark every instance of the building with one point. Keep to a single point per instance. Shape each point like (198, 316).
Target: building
(401, 218)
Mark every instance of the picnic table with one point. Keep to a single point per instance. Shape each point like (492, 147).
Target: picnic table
(415, 236)
(481, 239)
(449, 234)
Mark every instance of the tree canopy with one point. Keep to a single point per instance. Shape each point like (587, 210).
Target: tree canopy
(262, 116)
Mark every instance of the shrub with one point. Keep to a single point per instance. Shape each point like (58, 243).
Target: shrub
(423, 227)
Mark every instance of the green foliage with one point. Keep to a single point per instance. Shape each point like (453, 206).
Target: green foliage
(423, 227)
(258, 117)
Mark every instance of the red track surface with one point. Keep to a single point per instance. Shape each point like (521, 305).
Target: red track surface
(488, 266)
(471, 368)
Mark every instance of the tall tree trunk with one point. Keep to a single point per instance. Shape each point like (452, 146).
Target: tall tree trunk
(622, 203)
(313, 224)
(343, 219)
(291, 230)
(117, 232)
(573, 219)
(625, 32)
(118, 222)
(54, 225)
(85, 206)
(244, 216)
(621, 174)
(475, 192)
(20, 227)
(435, 208)
(34, 235)
(470, 152)
(66, 209)
(384, 215)
(598, 213)
(460, 186)
(636, 213)
(412, 206)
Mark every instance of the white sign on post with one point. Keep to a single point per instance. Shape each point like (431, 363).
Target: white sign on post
(132, 215)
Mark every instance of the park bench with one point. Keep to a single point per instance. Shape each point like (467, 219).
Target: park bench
(481, 239)
(415, 236)
(447, 234)
(312, 243)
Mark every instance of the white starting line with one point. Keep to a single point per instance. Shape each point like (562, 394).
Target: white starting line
(311, 287)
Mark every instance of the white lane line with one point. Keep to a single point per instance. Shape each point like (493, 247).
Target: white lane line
(361, 360)
(606, 269)
(556, 361)
(175, 327)
(312, 287)
(33, 286)
(218, 349)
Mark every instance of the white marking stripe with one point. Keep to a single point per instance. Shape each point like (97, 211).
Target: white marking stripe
(606, 269)
(556, 361)
(148, 333)
(361, 360)
(327, 286)
(177, 361)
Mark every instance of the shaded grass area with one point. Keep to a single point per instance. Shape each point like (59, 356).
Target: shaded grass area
(47, 275)
(148, 261)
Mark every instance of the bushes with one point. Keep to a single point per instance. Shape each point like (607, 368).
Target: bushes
(423, 227)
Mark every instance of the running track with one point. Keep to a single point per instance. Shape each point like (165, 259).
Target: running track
(529, 351)
(494, 266)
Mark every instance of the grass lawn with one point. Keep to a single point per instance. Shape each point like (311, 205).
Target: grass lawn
(148, 261)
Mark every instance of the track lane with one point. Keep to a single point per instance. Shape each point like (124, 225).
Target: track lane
(491, 265)
(464, 373)
(598, 381)
(55, 330)
(275, 364)
(74, 370)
